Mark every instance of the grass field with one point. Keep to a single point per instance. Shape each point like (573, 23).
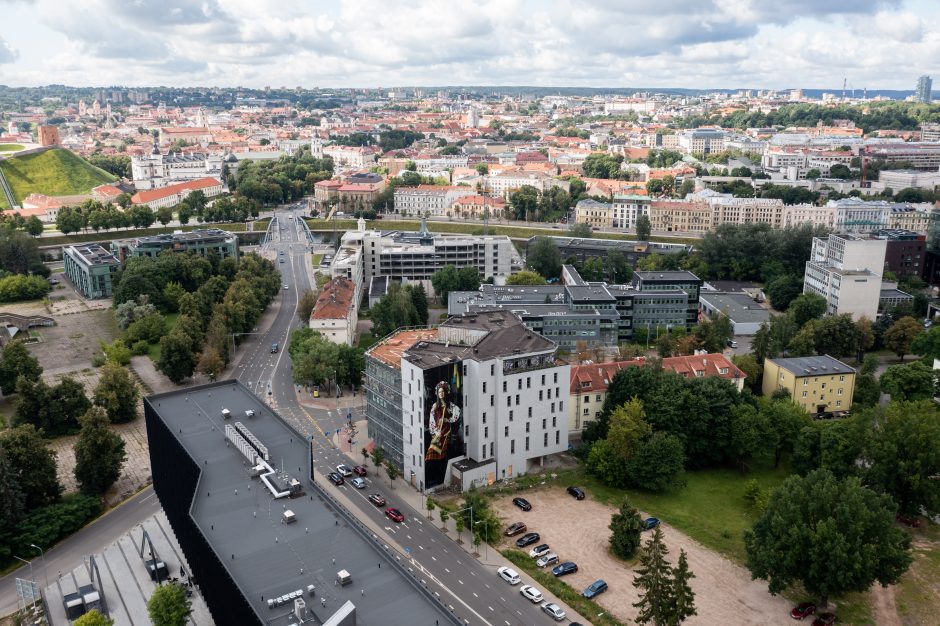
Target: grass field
(517, 232)
(54, 172)
(918, 595)
(10, 147)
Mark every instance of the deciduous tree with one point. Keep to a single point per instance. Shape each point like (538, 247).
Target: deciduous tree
(542, 256)
(901, 335)
(33, 465)
(913, 381)
(16, 361)
(169, 606)
(99, 453)
(626, 526)
(117, 394)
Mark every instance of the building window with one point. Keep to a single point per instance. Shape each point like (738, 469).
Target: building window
(598, 397)
(804, 394)
(517, 399)
(530, 411)
(519, 386)
(543, 379)
(483, 452)
(840, 392)
(484, 386)
(557, 437)
(838, 402)
(491, 449)
(587, 399)
(505, 431)
(527, 426)
(842, 379)
(510, 416)
(545, 440)
(484, 417)
(504, 386)
(556, 377)
(486, 432)
(492, 369)
(554, 421)
(585, 411)
(526, 444)
(508, 400)
(561, 406)
(549, 393)
(512, 446)
(553, 408)
(544, 423)
(540, 394)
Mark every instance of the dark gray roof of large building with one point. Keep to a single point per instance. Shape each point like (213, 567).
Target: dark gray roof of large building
(242, 522)
(813, 365)
(678, 275)
(739, 307)
(92, 254)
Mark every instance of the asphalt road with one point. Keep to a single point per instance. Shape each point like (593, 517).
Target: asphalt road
(92, 539)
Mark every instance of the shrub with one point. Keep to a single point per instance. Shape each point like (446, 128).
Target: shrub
(140, 348)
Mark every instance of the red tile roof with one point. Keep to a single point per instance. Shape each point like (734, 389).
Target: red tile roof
(149, 195)
(392, 348)
(335, 300)
(597, 376)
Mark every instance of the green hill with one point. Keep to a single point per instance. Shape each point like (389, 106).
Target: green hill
(55, 172)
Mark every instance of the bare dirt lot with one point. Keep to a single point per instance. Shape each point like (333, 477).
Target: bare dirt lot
(577, 531)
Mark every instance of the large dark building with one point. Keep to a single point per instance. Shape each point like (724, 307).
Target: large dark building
(905, 251)
(266, 544)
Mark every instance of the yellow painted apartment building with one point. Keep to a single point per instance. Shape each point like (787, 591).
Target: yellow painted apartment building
(820, 384)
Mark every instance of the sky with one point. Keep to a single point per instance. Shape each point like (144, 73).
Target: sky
(760, 44)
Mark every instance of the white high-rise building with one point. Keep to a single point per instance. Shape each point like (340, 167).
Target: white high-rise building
(846, 270)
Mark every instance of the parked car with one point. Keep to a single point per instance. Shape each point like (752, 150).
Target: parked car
(273, 347)
(527, 539)
(577, 492)
(565, 568)
(824, 619)
(803, 610)
(515, 529)
(395, 515)
(547, 559)
(360, 470)
(377, 499)
(522, 503)
(910, 522)
(596, 588)
(554, 611)
(335, 478)
(358, 483)
(651, 522)
(539, 550)
(531, 594)
(344, 470)
(510, 575)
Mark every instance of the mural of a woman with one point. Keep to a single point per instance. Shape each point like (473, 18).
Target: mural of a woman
(443, 414)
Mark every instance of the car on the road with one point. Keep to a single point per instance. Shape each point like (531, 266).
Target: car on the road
(360, 470)
(515, 529)
(547, 559)
(522, 503)
(910, 522)
(803, 610)
(563, 569)
(596, 588)
(531, 594)
(395, 515)
(335, 478)
(273, 348)
(824, 619)
(281, 260)
(576, 492)
(527, 539)
(554, 611)
(539, 550)
(344, 470)
(377, 499)
(358, 483)
(510, 575)
(285, 286)
(651, 522)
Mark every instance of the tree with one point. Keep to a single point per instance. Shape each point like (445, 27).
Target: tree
(806, 307)
(177, 358)
(444, 281)
(430, 505)
(783, 290)
(116, 352)
(525, 277)
(378, 457)
(904, 452)
(444, 515)
(901, 335)
(468, 279)
(606, 463)
(658, 463)
(12, 499)
(747, 441)
(93, 618)
(753, 370)
(543, 257)
(169, 606)
(117, 394)
(628, 427)
(582, 230)
(665, 596)
(643, 228)
(305, 306)
(419, 298)
(211, 363)
(783, 421)
(34, 226)
(914, 381)
(165, 215)
(33, 465)
(391, 470)
(927, 344)
(99, 453)
(395, 310)
(841, 546)
(626, 526)
(813, 174)
(459, 527)
(16, 361)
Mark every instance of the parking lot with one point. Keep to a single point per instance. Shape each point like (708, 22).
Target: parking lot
(577, 531)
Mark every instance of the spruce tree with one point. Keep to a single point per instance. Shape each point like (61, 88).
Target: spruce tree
(654, 581)
(683, 597)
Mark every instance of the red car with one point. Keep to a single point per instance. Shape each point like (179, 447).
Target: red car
(803, 610)
(910, 522)
(824, 619)
(395, 515)
(359, 470)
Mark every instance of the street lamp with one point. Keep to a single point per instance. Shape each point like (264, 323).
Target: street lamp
(42, 555)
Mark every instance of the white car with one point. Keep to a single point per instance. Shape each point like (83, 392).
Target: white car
(344, 470)
(539, 550)
(554, 610)
(531, 594)
(547, 559)
(510, 575)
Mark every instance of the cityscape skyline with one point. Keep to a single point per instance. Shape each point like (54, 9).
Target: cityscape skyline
(226, 43)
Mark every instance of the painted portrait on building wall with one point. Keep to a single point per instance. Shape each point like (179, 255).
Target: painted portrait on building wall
(443, 427)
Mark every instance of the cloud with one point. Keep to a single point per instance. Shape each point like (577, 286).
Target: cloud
(638, 43)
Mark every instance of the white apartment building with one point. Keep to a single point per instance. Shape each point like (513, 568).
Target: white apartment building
(902, 179)
(794, 163)
(504, 184)
(702, 141)
(484, 401)
(351, 156)
(846, 271)
(726, 209)
(627, 209)
(440, 163)
(434, 200)
(798, 214)
(154, 171)
(854, 215)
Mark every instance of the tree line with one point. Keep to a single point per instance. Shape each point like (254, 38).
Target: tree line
(279, 181)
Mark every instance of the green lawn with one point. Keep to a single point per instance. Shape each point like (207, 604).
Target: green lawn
(517, 232)
(55, 172)
(10, 147)
(916, 595)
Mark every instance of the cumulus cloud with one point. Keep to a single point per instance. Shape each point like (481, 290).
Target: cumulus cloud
(553, 42)
(8, 53)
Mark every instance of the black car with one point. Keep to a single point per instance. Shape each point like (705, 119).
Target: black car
(336, 478)
(565, 568)
(527, 539)
(522, 503)
(577, 492)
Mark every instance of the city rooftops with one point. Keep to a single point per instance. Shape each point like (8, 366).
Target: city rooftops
(739, 307)
(193, 236)
(670, 276)
(391, 349)
(92, 254)
(804, 366)
(335, 300)
(242, 522)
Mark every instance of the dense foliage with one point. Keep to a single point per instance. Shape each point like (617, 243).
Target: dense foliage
(283, 180)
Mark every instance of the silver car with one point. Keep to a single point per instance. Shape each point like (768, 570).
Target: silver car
(358, 483)
(547, 559)
(554, 610)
